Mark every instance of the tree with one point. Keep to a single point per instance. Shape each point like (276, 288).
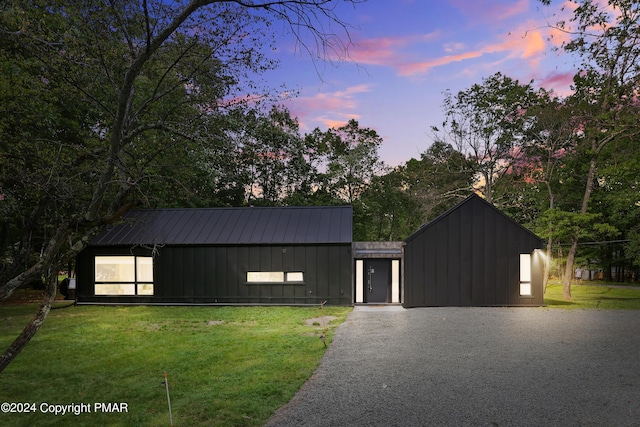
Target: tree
(396, 203)
(385, 211)
(139, 78)
(487, 122)
(605, 38)
(274, 156)
(615, 199)
(351, 156)
(441, 178)
(549, 141)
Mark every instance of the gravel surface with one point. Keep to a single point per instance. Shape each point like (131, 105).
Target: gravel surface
(475, 367)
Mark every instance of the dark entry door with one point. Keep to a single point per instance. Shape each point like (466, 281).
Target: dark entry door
(377, 280)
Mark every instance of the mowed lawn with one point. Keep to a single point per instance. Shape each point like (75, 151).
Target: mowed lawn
(226, 366)
(589, 295)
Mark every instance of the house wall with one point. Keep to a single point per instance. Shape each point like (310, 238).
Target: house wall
(217, 274)
(470, 257)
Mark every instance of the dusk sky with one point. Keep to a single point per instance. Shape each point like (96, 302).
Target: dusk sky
(406, 53)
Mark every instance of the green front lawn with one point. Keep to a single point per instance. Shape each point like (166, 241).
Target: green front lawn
(589, 296)
(227, 366)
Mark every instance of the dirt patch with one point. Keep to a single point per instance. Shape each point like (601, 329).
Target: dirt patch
(320, 321)
(22, 296)
(215, 322)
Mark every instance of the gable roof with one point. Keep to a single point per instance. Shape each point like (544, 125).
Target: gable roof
(253, 225)
(472, 198)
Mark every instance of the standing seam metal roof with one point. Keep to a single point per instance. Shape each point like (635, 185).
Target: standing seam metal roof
(470, 198)
(225, 226)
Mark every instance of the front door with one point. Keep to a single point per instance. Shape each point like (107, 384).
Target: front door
(377, 280)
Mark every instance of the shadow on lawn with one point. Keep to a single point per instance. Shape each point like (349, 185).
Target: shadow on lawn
(557, 302)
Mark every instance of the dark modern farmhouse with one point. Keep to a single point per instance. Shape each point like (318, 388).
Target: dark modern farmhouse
(268, 255)
(472, 255)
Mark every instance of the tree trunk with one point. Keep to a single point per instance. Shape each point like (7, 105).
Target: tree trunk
(488, 188)
(571, 257)
(547, 265)
(568, 271)
(36, 322)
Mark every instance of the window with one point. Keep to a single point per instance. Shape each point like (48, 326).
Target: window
(294, 276)
(123, 275)
(275, 277)
(525, 275)
(265, 276)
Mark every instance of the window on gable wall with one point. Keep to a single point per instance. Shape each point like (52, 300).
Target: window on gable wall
(525, 275)
(123, 275)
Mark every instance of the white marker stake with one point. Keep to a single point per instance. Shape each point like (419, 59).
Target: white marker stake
(166, 383)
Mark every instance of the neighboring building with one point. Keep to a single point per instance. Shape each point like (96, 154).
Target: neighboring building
(267, 255)
(473, 255)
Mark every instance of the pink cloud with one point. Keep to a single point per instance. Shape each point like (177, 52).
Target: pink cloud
(559, 82)
(412, 68)
(329, 108)
(385, 51)
(399, 52)
(484, 12)
(534, 45)
(352, 90)
(529, 47)
(336, 123)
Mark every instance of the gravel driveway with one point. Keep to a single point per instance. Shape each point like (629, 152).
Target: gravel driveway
(475, 367)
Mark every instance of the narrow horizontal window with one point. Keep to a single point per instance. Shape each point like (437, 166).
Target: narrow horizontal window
(265, 276)
(275, 277)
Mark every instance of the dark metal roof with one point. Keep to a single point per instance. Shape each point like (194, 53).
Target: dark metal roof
(472, 198)
(226, 226)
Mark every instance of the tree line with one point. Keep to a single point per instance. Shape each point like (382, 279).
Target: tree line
(111, 105)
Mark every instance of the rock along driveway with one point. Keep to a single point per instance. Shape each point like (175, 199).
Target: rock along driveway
(475, 367)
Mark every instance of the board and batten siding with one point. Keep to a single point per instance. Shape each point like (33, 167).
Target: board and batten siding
(217, 275)
(470, 256)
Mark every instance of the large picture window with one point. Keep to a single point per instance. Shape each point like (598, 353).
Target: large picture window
(123, 275)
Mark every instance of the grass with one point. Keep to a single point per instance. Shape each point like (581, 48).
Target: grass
(226, 366)
(589, 296)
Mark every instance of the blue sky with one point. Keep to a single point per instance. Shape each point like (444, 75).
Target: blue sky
(406, 53)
